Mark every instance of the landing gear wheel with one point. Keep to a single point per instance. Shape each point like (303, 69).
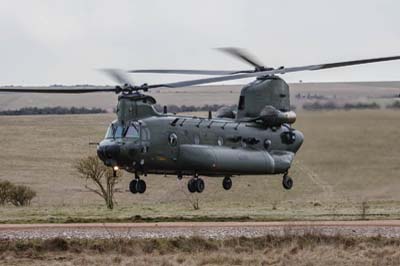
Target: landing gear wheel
(132, 186)
(199, 185)
(140, 186)
(227, 183)
(287, 182)
(192, 185)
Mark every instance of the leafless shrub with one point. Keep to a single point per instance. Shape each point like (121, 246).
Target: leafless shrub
(102, 177)
(364, 208)
(192, 198)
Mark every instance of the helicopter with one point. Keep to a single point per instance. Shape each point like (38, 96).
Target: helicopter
(255, 138)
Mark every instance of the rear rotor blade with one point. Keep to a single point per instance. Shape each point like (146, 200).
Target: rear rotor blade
(357, 62)
(243, 55)
(191, 71)
(274, 72)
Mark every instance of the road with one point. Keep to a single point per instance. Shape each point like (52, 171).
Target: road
(388, 228)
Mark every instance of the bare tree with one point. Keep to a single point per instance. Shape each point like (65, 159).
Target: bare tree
(102, 177)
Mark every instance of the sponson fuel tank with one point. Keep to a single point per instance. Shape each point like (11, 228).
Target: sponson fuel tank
(225, 160)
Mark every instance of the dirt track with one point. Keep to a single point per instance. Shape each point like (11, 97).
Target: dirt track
(390, 228)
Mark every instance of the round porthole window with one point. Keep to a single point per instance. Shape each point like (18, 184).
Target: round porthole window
(267, 144)
(220, 141)
(173, 139)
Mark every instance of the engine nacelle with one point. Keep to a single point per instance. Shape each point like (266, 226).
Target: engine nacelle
(273, 117)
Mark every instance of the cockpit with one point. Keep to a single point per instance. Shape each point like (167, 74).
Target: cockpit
(118, 131)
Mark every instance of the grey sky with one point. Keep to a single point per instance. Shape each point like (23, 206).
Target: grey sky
(47, 41)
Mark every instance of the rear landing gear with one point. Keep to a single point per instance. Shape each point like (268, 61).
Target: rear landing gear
(196, 184)
(287, 181)
(227, 183)
(137, 185)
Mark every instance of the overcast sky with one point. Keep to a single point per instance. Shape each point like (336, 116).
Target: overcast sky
(47, 41)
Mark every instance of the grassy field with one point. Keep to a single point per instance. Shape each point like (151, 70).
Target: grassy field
(349, 157)
(310, 249)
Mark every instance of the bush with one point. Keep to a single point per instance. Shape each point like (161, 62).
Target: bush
(314, 106)
(395, 105)
(21, 195)
(18, 195)
(5, 191)
(359, 106)
(317, 106)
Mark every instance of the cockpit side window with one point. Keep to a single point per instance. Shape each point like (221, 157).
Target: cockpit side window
(132, 132)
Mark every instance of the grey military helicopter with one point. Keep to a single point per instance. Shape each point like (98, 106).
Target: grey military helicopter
(257, 138)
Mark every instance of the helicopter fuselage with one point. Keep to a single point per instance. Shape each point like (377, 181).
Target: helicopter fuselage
(142, 140)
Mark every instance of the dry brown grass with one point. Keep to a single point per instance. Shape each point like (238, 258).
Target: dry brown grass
(309, 249)
(347, 158)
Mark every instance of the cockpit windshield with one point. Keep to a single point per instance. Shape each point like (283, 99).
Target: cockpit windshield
(117, 131)
(110, 132)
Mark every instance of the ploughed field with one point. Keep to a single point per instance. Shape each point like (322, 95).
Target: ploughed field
(348, 168)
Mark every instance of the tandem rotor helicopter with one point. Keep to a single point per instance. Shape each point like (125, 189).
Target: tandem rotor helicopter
(257, 138)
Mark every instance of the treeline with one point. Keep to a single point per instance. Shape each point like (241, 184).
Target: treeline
(316, 106)
(58, 110)
(172, 108)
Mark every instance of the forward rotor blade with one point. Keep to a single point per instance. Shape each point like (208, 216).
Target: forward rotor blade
(190, 71)
(118, 76)
(274, 72)
(73, 90)
(243, 55)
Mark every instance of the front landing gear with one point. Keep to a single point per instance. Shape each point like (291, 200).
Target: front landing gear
(137, 185)
(227, 183)
(287, 181)
(196, 184)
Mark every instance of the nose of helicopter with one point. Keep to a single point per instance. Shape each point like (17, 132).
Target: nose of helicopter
(108, 152)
